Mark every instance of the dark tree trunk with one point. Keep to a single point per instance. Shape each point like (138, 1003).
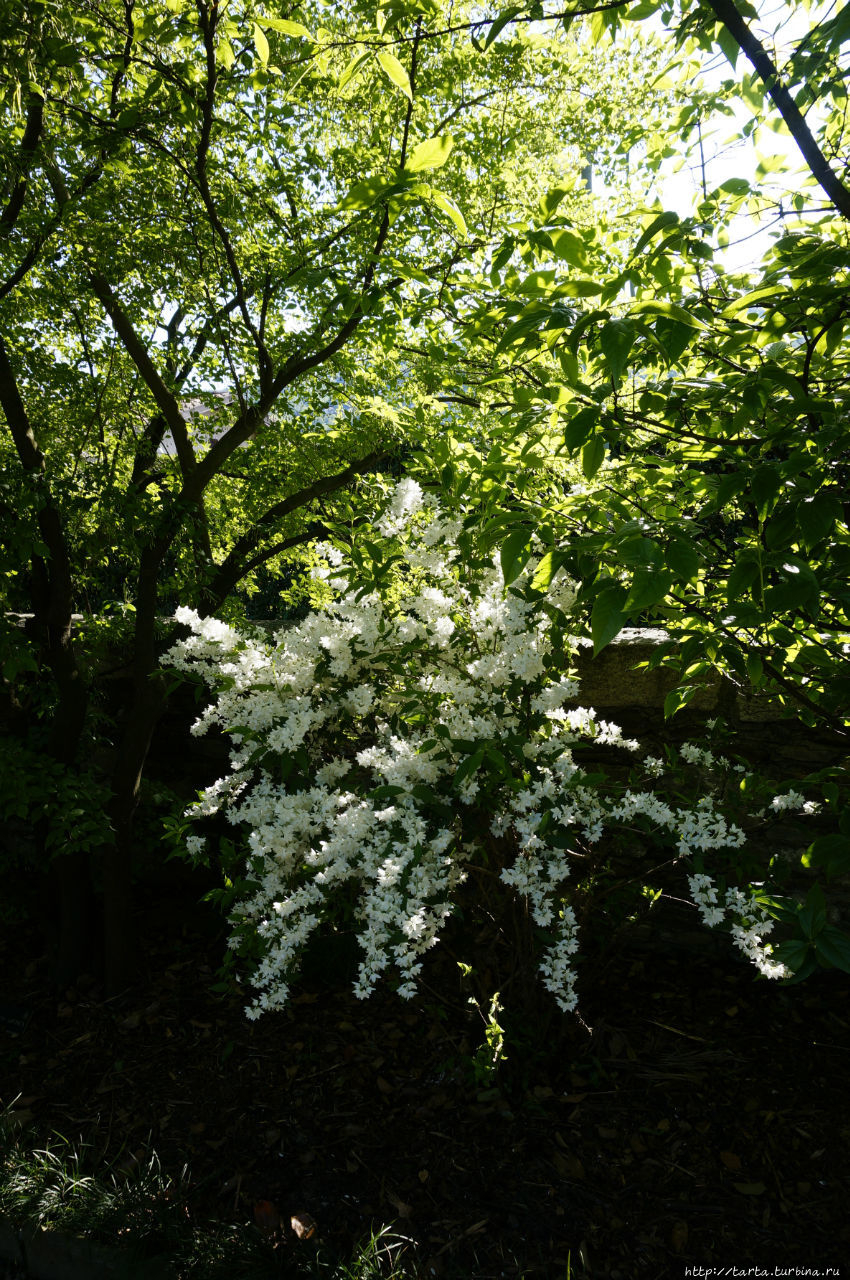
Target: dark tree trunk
(148, 702)
(69, 872)
(120, 943)
(52, 600)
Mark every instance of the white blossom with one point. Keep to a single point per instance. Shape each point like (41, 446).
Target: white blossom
(349, 730)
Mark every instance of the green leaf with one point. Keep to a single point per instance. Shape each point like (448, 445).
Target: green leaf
(515, 554)
(670, 310)
(364, 194)
(396, 72)
(575, 288)
(579, 427)
(649, 586)
(470, 765)
(831, 852)
(781, 529)
(546, 570)
(638, 552)
(616, 339)
(431, 154)
(644, 9)
(551, 200)
(448, 206)
(592, 456)
(287, 28)
(673, 336)
(812, 917)
(728, 44)
(666, 219)
(500, 23)
(735, 186)
(756, 299)
(797, 588)
(796, 954)
(816, 517)
(607, 618)
(261, 43)
(678, 698)
(833, 946)
(351, 70)
(742, 577)
(527, 324)
(569, 247)
(682, 560)
(755, 669)
(765, 484)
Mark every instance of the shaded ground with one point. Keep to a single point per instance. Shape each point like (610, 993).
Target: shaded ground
(703, 1121)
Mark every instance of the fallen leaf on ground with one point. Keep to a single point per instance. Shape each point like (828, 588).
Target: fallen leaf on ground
(303, 1225)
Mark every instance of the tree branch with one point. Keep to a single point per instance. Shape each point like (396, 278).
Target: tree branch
(726, 12)
(29, 143)
(208, 25)
(52, 581)
(138, 353)
(235, 567)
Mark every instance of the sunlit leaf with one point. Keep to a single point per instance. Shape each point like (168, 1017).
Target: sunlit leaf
(431, 154)
(448, 206)
(395, 71)
(261, 43)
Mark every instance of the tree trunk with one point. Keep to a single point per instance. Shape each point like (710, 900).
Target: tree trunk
(120, 946)
(69, 872)
(52, 595)
(148, 703)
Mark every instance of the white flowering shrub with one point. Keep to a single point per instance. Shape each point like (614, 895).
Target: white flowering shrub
(421, 723)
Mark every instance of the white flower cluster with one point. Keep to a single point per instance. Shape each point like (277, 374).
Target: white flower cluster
(793, 800)
(750, 922)
(370, 740)
(698, 755)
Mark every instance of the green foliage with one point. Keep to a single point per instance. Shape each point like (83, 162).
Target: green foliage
(490, 1053)
(38, 792)
(710, 458)
(229, 290)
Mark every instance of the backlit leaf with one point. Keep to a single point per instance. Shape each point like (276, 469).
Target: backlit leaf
(431, 154)
(616, 340)
(396, 72)
(592, 456)
(448, 206)
(287, 28)
(500, 23)
(261, 43)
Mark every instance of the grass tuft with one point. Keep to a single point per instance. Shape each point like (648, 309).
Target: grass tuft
(138, 1207)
